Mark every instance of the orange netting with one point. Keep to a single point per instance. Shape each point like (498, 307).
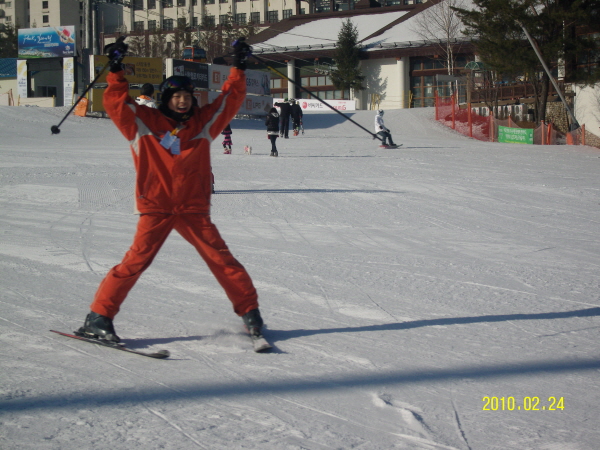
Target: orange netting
(469, 122)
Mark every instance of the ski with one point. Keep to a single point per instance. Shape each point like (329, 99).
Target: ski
(161, 354)
(260, 344)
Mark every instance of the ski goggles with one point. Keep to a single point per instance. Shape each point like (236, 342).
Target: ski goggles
(177, 83)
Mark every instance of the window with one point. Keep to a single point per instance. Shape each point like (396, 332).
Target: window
(168, 24)
(209, 21)
(181, 23)
(273, 16)
(223, 19)
(194, 2)
(152, 25)
(151, 4)
(275, 83)
(46, 91)
(138, 26)
(138, 5)
(591, 60)
(240, 19)
(321, 80)
(44, 5)
(167, 3)
(421, 89)
(180, 2)
(45, 19)
(223, 1)
(8, 19)
(209, 2)
(254, 17)
(322, 6)
(195, 22)
(287, 13)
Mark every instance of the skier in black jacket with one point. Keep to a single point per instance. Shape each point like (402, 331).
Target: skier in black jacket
(272, 124)
(296, 112)
(285, 108)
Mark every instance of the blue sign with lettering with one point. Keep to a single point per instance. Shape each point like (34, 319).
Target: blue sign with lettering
(47, 42)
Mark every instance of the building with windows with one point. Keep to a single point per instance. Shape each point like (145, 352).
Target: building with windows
(141, 15)
(45, 74)
(45, 13)
(299, 38)
(401, 69)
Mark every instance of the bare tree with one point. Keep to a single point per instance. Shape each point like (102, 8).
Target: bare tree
(440, 24)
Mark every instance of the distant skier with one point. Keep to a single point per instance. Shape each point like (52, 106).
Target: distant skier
(296, 112)
(381, 130)
(145, 97)
(272, 124)
(284, 118)
(227, 142)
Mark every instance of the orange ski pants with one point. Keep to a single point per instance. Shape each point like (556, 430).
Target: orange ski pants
(152, 232)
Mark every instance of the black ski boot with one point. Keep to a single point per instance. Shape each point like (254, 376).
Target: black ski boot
(100, 327)
(253, 322)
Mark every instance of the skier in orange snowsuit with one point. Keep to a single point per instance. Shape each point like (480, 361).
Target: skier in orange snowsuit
(171, 154)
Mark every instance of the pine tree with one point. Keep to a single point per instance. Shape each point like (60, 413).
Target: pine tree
(503, 46)
(8, 41)
(347, 74)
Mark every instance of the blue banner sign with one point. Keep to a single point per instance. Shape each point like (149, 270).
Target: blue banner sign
(47, 42)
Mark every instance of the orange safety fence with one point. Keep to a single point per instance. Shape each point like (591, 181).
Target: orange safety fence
(469, 122)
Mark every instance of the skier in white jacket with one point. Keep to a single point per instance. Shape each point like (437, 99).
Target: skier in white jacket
(145, 97)
(381, 130)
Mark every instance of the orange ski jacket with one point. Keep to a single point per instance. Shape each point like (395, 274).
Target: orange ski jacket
(165, 182)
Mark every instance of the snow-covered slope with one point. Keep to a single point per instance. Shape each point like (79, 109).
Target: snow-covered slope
(400, 288)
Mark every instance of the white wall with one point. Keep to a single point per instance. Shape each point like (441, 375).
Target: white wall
(382, 77)
(587, 108)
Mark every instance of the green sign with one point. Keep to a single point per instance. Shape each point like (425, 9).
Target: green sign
(515, 135)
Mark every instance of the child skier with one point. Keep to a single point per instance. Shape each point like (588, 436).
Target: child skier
(145, 97)
(170, 147)
(227, 143)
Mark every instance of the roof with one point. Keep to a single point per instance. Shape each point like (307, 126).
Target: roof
(379, 29)
(8, 67)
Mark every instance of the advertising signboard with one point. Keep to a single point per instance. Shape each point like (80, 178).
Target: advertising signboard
(308, 105)
(255, 105)
(257, 82)
(22, 78)
(137, 70)
(515, 135)
(68, 80)
(47, 42)
(197, 72)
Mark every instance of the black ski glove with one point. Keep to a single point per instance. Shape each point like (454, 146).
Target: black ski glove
(241, 52)
(116, 52)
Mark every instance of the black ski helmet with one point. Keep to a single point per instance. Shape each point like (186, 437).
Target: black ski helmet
(174, 84)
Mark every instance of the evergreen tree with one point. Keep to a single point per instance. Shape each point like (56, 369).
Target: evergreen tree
(503, 47)
(347, 74)
(8, 41)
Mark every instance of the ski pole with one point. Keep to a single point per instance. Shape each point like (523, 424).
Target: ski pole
(55, 128)
(315, 96)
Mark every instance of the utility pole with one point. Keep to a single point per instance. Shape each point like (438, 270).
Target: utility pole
(574, 123)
